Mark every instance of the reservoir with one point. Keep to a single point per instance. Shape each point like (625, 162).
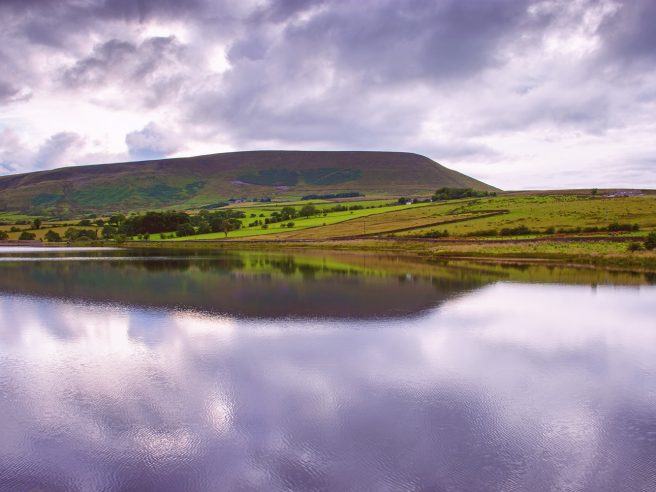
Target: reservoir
(160, 370)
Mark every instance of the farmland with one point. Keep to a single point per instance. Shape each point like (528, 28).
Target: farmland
(581, 228)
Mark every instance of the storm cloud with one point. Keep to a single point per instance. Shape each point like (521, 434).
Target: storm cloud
(521, 93)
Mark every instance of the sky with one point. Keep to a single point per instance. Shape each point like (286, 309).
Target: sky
(521, 94)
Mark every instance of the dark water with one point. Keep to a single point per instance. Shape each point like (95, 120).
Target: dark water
(127, 371)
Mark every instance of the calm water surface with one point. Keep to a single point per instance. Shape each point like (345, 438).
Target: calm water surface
(258, 371)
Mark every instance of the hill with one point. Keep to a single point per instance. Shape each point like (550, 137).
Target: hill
(194, 182)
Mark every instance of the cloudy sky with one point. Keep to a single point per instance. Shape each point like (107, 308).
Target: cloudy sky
(519, 93)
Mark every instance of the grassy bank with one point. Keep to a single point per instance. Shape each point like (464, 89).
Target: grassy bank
(609, 254)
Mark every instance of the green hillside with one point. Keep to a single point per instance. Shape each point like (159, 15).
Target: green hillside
(204, 181)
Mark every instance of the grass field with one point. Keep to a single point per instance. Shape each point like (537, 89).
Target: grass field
(556, 222)
(460, 218)
(40, 233)
(318, 222)
(543, 212)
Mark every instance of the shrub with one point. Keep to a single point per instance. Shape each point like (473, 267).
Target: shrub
(436, 233)
(632, 247)
(27, 236)
(650, 242)
(3, 236)
(483, 233)
(521, 230)
(615, 227)
(73, 234)
(454, 193)
(52, 237)
(290, 224)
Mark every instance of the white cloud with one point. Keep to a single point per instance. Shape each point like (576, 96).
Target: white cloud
(521, 93)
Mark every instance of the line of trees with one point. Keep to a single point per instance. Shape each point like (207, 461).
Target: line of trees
(179, 223)
(446, 193)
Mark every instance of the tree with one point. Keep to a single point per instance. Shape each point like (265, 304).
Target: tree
(185, 229)
(52, 236)
(27, 236)
(108, 232)
(287, 213)
(73, 234)
(84, 223)
(117, 219)
(36, 223)
(3, 236)
(308, 210)
(650, 242)
(204, 227)
(225, 225)
(100, 222)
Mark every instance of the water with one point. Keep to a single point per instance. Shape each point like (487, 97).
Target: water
(254, 371)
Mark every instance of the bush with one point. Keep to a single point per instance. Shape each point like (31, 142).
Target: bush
(27, 236)
(632, 247)
(73, 234)
(52, 237)
(3, 236)
(521, 230)
(650, 242)
(436, 233)
(454, 193)
(483, 233)
(615, 227)
(290, 224)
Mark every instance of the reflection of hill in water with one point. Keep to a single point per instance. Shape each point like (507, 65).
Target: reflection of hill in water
(323, 285)
(249, 285)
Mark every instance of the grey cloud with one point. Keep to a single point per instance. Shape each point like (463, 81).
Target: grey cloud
(629, 35)
(143, 10)
(151, 142)
(10, 93)
(323, 79)
(152, 71)
(401, 40)
(54, 151)
(106, 58)
(353, 74)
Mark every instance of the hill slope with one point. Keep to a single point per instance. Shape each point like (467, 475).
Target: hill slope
(200, 181)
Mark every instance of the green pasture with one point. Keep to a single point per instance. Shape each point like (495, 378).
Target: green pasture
(560, 212)
(315, 222)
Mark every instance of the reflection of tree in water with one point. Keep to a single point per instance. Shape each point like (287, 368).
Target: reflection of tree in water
(257, 284)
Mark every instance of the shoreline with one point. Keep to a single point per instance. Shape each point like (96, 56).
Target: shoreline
(509, 251)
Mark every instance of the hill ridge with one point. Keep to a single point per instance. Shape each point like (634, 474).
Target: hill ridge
(189, 182)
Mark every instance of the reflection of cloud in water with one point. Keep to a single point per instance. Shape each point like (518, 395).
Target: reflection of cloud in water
(513, 387)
